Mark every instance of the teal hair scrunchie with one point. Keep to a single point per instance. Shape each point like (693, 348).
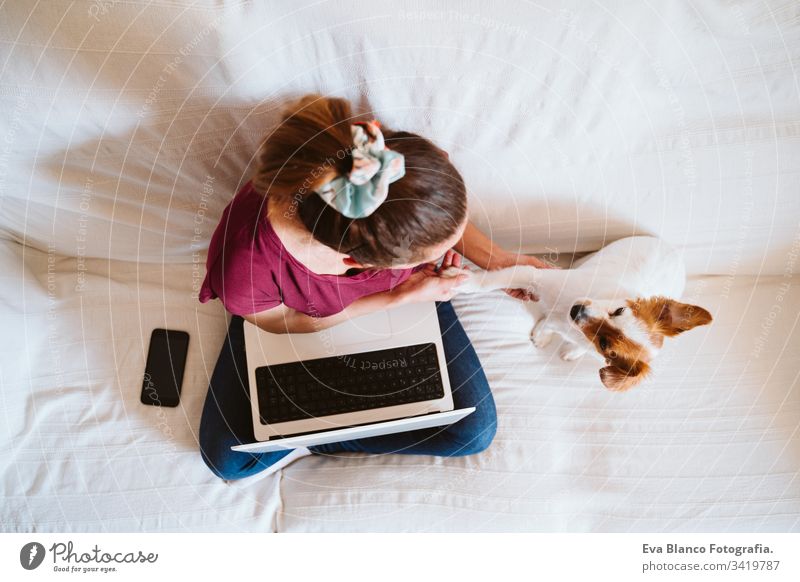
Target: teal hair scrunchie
(366, 186)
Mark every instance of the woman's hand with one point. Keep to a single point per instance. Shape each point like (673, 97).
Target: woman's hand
(450, 259)
(510, 260)
(427, 285)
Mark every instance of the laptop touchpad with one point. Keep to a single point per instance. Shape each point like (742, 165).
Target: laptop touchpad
(366, 328)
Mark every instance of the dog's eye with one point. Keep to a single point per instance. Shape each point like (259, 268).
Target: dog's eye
(618, 312)
(603, 343)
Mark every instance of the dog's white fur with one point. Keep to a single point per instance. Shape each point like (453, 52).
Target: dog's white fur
(630, 268)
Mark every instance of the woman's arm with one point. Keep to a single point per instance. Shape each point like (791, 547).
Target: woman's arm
(283, 319)
(424, 285)
(479, 249)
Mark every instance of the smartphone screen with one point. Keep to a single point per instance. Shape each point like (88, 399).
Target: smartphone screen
(163, 372)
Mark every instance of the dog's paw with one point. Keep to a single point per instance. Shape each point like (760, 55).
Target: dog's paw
(570, 352)
(469, 285)
(452, 272)
(541, 338)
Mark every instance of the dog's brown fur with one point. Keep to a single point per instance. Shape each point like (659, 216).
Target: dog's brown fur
(667, 317)
(626, 358)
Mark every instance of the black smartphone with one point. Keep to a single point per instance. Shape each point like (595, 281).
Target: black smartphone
(163, 372)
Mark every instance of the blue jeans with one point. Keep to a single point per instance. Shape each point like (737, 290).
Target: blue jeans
(227, 419)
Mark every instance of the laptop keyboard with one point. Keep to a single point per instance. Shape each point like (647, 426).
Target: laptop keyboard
(350, 383)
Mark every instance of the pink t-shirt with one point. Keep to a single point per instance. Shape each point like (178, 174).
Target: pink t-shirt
(250, 270)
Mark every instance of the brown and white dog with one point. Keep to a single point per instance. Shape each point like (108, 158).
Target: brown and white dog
(618, 303)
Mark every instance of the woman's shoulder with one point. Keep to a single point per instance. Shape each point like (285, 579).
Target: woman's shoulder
(243, 229)
(246, 200)
(246, 211)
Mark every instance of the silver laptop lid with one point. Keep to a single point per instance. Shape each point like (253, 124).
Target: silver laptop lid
(357, 432)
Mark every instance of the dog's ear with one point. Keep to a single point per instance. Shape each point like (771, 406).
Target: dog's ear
(677, 317)
(618, 380)
(670, 317)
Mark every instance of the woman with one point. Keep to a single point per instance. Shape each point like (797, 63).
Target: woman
(342, 218)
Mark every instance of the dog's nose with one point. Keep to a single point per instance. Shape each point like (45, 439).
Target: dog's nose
(577, 311)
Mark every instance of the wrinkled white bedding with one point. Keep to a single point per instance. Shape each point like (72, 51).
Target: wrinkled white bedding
(571, 123)
(127, 126)
(710, 444)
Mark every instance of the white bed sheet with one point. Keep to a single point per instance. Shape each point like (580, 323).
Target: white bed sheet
(715, 448)
(128, 126)
(573, 123)
(711, 443)
(79, 451)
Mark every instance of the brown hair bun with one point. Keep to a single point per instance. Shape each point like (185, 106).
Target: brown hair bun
(312, 146)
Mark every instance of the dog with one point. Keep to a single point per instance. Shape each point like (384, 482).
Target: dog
(618, 304)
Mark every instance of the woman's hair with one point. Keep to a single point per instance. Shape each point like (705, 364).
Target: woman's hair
(313, 144)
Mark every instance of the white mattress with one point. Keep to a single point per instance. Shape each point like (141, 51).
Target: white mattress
(573, 123)
(710, 444)
(127, 127)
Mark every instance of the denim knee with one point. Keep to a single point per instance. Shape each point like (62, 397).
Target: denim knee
(483, 439)
(230, 465)
(223, 462)
(481, 434)
(219, 459)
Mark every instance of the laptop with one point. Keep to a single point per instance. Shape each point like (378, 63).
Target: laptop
(380, 373)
